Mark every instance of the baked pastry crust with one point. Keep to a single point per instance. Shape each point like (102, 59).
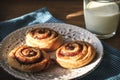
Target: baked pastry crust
(75, 54)
(44, 38)
(28, 59)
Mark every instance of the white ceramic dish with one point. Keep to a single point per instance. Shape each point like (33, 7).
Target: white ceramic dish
(54, 72)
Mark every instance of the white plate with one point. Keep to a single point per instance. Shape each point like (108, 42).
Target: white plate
(54, 72)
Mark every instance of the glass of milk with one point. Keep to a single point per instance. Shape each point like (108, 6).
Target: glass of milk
(102, 17)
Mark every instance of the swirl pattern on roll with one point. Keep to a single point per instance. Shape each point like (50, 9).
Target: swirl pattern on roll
(44, 38)
(28, 59)
(75, 54)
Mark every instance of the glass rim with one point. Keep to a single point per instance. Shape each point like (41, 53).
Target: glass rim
(105, 1)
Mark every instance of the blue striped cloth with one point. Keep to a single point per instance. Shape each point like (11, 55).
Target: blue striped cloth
(109, 69)
(40, 16)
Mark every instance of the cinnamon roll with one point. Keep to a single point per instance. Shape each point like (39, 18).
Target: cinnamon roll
(28, 59)
(75, 54)
(44, 38)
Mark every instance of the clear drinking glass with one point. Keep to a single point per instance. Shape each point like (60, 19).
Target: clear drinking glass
(102, 17)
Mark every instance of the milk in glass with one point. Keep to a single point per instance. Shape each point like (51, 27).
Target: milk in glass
(101, 18)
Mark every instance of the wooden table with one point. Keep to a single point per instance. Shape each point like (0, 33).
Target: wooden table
(70, 12)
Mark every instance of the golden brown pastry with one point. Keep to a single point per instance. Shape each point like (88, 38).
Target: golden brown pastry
(28, 59)
(44, 38)
(75, 54)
